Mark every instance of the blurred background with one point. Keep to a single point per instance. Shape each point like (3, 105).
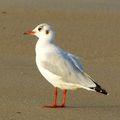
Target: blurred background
(89, 29)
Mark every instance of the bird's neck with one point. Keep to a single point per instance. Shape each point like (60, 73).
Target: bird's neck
(42, 41)
(41, 44)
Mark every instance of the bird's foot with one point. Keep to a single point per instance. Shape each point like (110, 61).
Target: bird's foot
(55, 106)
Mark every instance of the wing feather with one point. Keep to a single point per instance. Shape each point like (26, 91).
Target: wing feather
(68, 67)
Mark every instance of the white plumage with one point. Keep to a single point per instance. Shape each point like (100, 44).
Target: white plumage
(62, 69)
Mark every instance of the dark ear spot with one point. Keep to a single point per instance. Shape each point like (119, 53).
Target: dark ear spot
(47, 31)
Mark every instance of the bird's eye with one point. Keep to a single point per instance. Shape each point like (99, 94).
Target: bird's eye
(47, 31)
(39, 29)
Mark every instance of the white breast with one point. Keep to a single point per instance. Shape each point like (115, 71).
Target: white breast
(41, 55)
(52, 78)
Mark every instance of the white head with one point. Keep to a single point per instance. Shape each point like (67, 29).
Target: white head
(44, 32)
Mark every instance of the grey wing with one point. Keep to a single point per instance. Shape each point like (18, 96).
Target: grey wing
(61, 65)
(84, 79)
(68, 68)
(75, 61)
(56, 64)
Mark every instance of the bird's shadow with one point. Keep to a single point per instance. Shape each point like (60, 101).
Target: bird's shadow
(79, 107)
(66, 107)
(87, 107)
(70, 107)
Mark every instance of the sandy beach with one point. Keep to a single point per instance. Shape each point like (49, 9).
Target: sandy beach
(88, 29)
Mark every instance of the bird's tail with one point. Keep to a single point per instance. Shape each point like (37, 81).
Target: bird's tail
(92, 85)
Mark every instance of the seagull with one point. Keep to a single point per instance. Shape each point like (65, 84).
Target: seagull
(62, 69)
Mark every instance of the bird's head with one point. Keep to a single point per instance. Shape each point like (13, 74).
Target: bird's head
(43, 32)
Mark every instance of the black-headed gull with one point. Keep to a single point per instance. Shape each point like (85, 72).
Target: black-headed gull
(62, 69)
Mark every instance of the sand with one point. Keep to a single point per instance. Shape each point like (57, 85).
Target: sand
(89, 29)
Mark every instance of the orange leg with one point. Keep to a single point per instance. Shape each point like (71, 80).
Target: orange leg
(54, 105)
(64, 98)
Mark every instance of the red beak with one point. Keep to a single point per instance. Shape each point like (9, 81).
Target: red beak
(29, 33)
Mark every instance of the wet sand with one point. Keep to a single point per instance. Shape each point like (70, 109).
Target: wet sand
(92, 33)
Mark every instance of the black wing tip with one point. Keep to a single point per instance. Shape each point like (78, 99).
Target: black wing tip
(102, 91)
(99, 89)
